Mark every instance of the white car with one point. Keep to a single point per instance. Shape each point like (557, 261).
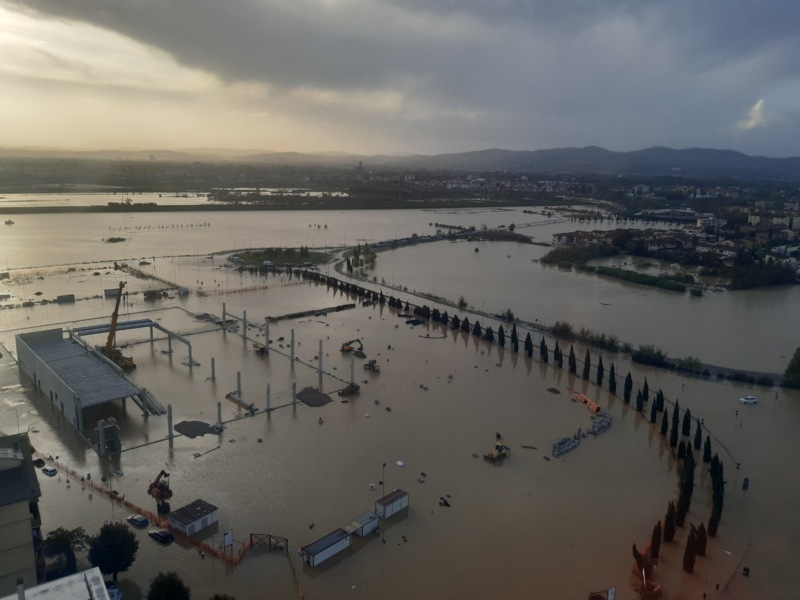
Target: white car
(49, 471)
(748, 400)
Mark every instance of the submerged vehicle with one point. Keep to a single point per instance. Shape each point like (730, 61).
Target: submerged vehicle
(748, 400)
(500, 452)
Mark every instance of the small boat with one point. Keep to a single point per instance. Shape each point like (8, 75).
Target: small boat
(500, 452)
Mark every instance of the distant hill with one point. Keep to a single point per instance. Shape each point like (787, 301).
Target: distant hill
(690, 162)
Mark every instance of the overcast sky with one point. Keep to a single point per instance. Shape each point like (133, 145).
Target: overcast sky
(401, 76)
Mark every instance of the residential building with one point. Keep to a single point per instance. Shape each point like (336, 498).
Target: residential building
(20, 524)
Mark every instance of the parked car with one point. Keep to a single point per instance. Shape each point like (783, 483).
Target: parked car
(161, 535)
(49, 471)
(114, 593)
(138, 520)
(748, 400)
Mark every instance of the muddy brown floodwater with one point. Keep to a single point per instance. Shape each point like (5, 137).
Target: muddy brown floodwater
(525, 528)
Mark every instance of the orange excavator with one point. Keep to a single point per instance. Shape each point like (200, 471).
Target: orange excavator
(110, 350)
(160, 491)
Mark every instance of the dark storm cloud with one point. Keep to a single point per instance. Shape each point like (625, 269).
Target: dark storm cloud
(514, 73)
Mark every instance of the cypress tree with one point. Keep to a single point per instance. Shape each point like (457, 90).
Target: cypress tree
(455, 322)
(573, 364)
(528, 345)
(628, 388)
(515, 346)
(673, 434)
(465, 326)
(637, 556)
(476, 329)
(676, 415)
(600, 371)
(713, 524)
(645, 391)
(664, 423)
(514, 338)
(653, 413)
(660, 400)
(687, 423)
(639, 401)
(560, 357)
(501, 337)
(698, 436)
(543, 353)
(587, 365)
(702, 540)
(655, 541)
(489, 335)
(690, 553)
(681, 450)
(707, 450)
(557, 353)
(612, 380)
(669, 523)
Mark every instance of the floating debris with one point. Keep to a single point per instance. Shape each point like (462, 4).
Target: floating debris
(553, 390)
(565, 444)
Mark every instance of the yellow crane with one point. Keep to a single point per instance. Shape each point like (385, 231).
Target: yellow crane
(110, 350)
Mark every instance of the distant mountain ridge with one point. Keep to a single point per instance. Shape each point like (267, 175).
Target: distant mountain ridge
(655, 161)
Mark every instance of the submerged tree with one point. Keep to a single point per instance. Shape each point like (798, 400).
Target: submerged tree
(514, 338)
(113, 550)
(660, 400)
(690, 553)
(639, 401)
(687, 423)
(543, 353)
(529, 345)
(707, 450)
(628, 388)
(612, 380)
(573, 363)
(501, 337)
(669, 523)
(655, 541)
(665, 423)
(168, 586)
(645, 391)
(587, 365)
(600, 371)
(653, 413)
(698, 436)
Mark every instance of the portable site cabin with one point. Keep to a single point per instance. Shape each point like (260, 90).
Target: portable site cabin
(318, 552)
(364, 524)
(391, 503)
(194, 517)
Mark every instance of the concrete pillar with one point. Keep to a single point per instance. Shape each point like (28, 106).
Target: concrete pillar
(191, 360)
(170, 435)
(294, 393)
(224, 317)
(219, 414)
(352, 369)
(244, 326)
(266, 334)
(151, 334)
(320, 358)
(269, 408)
(101, 438)
(239, 385)
(213, 369)
(169, 345)
(292, 354)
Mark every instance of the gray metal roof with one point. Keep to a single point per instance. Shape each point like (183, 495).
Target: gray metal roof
(334, 537)
(192, 512)
(94, 381)
(18, 483)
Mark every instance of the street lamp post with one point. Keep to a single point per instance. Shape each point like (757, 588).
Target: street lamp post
(383, 480)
